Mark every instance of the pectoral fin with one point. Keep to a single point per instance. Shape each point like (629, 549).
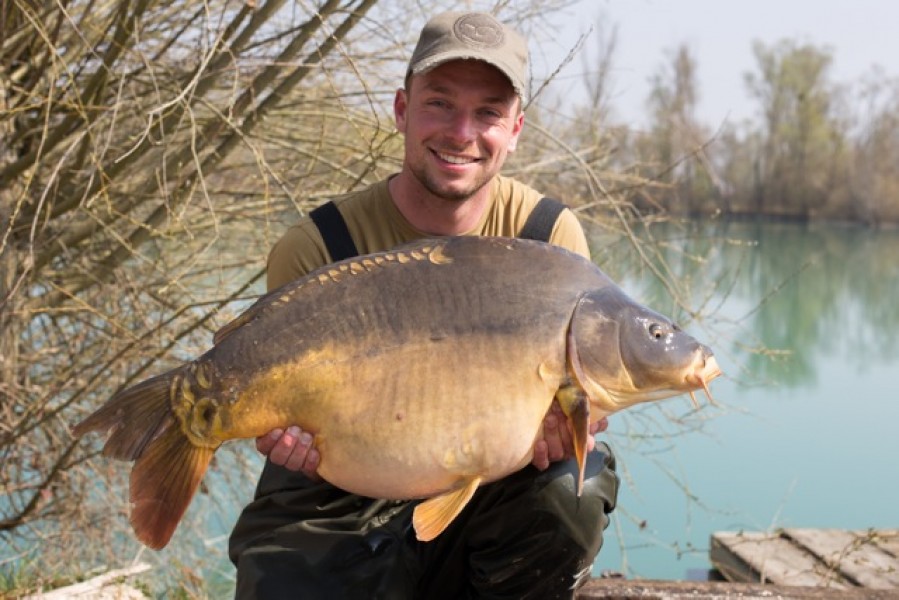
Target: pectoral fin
(432, 516)
(576, 407)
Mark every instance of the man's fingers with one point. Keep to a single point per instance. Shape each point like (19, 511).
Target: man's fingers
(310, 469)
(291, 449)
(265, 443)
(283, 447)
(541, 455)
(556, 436)
(300, 452)
(555, 440)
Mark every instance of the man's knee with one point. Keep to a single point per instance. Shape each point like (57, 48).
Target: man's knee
(582, 517)
(530, 535)
(268, 572)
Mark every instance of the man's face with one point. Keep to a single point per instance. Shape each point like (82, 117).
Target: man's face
(460, 121)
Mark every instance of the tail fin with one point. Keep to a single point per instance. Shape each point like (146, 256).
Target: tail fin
(163, 481)
(133, 418)
(143, 428)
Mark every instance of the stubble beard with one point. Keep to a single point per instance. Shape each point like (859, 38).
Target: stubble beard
(449, 193)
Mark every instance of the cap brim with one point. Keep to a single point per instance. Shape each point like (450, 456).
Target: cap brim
(432, 62)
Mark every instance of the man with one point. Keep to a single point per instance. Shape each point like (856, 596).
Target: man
(525, 536)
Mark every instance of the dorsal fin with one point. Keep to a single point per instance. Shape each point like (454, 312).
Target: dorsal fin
(274, 297)
(419, 250)
(230, 327)
(240, 320)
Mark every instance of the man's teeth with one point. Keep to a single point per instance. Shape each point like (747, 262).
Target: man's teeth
(456, 160)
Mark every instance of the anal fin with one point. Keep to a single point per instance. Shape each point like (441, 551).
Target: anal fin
(432, 516)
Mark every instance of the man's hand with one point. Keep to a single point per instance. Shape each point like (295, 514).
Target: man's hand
(291, 449)
(555, 443)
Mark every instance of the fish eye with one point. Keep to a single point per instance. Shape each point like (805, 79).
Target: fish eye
(656, 331)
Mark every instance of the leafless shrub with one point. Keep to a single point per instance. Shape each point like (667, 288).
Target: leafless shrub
(151, 154)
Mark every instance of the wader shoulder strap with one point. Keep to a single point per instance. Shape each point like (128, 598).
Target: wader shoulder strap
(542, 219)
(334, 231)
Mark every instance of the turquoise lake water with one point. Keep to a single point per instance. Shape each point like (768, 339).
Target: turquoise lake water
(804, 321)
(805, 324)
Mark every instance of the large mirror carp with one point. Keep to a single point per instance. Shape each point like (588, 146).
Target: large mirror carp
(423, 372)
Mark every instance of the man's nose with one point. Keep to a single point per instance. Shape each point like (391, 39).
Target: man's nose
(462, 127)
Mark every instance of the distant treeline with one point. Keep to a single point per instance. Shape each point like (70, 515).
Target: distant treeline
(818, 150)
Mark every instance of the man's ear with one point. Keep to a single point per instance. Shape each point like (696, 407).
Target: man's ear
(400, 104)
(516, 131)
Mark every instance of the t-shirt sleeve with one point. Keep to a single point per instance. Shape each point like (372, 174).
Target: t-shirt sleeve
(569, 234)
(300, 251)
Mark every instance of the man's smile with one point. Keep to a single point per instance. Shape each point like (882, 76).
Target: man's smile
(455, 158)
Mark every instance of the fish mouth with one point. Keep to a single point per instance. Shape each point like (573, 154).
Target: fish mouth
(699, 378)
(610, 396)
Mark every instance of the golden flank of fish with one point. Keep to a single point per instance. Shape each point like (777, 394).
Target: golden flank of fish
(423, 372)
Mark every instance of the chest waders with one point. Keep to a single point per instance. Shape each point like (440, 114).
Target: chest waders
(525, 536)
(340, 244)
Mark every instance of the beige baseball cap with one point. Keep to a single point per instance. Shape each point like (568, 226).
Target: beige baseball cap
(479, 36)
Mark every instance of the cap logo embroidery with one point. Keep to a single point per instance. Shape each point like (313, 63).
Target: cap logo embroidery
(479, 31)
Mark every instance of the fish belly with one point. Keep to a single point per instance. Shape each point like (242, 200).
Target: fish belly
(418, 419)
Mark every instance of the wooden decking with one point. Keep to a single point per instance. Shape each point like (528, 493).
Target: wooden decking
(800, 564)
(832, 558)
(626, 589)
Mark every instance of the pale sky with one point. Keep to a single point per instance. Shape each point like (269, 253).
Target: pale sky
(861, 34)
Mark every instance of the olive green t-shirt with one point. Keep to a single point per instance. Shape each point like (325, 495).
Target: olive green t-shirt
(376, 225)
